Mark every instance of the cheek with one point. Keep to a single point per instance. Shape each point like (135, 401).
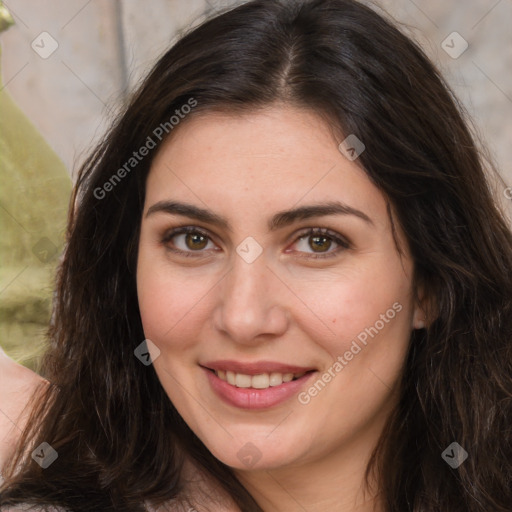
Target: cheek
(370, 304)
(169, 303)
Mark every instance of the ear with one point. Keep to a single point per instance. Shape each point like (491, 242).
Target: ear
(419, 318)
(423, 314)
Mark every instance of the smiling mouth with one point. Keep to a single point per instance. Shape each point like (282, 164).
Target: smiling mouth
(260, 381)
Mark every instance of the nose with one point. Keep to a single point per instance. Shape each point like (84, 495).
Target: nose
(251, 303)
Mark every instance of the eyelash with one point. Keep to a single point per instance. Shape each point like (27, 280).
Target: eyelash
(342, 242)
(180, 231)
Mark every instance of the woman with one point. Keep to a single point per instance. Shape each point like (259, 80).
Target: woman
(292, 223)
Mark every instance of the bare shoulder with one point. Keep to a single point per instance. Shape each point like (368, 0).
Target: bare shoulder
(17, 385)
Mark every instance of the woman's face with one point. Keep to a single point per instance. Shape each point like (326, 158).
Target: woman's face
(267, 255)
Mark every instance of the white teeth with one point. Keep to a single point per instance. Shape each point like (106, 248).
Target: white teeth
(276, 379)
(242, 381)
(261, 381)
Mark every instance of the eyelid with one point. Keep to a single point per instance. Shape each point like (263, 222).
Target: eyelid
(170, 233)
(339, 239)
(180, 230)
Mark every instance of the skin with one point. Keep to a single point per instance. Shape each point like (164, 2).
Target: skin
(286, 306)
(17, 384)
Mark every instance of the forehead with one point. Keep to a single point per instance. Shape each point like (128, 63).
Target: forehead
(270, 159)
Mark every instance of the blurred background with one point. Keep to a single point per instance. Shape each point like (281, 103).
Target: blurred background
(67, 65)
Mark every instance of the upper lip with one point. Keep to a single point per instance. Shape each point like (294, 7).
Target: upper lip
(256, 367)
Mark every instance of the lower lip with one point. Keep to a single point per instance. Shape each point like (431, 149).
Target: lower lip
(251, 398)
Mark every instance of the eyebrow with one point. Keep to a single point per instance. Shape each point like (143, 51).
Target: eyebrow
(278, 221)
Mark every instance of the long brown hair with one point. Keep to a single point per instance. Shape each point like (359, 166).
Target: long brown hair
(119, 439)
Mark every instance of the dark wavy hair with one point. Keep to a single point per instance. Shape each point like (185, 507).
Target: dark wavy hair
(119, 438)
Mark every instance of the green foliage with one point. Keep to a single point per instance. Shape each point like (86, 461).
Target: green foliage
(34, 195)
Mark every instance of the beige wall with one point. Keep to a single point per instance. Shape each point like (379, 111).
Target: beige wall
(103, 45)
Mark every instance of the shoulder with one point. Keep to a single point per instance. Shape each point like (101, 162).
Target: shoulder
(198, 486)
(17, 384)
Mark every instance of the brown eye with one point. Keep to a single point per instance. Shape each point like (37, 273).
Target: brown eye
(320, 243)
(188, 240)
(196, 241)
